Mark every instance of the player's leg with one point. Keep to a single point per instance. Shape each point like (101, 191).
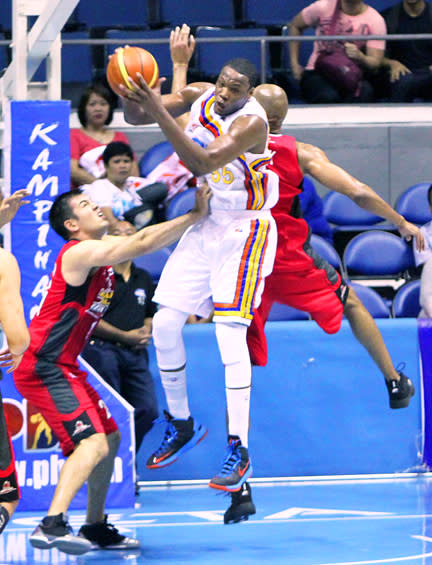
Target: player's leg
(9, 489)
(240, 264)
(242, 505)
(182, 431)
(69, 411)
(97, 530)
(183, 289)
(237, 466)
(365, 330)
(256, 338)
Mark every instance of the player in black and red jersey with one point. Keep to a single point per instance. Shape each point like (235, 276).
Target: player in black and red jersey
(49, 376)
(304, 280)
(15, 329)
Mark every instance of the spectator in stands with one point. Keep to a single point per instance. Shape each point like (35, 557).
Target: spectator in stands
(350, 17)
(408, 64)
(424, 258)
(122, 196)
(425, 254)
(312, 210)
(118, 348)
(426, 290)
(95, 113)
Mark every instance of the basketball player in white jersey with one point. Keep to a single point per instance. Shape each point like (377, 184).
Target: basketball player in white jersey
(221, 263)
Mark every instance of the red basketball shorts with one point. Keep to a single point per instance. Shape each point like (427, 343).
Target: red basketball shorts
(318, 290)
(70, 406)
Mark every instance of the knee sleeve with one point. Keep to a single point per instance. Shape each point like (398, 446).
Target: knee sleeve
(167, 338)
(232, 343)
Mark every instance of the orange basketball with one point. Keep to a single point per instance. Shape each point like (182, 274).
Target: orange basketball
(128, 61)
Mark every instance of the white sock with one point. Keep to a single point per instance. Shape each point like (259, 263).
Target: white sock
(174, 383)
(238, 402)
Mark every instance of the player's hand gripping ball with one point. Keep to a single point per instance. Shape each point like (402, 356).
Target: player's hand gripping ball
(128, 61)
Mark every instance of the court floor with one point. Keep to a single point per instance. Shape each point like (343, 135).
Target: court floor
(316, 521)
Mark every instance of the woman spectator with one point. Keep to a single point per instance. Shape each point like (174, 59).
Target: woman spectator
(95, 113)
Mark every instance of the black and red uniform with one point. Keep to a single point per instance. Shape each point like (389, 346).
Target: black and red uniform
(300, 278)
(49, 375)
(9, 489)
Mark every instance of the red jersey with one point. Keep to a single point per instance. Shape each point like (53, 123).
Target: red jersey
(69, 314)
(293, 230)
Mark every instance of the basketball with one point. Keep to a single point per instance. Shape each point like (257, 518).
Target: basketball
(128, 61)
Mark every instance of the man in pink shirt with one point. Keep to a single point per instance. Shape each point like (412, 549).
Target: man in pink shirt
(352, 17)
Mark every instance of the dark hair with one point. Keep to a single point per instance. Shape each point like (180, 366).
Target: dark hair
(101, 90)
(62, 211)
(429, 195)
(116, 148)
(244, 67)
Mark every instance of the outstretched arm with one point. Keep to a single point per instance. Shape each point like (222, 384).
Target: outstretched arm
(314, 162)
(12, 312)
(81, 258)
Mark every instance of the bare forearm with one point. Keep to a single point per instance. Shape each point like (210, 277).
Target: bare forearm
(105, 330)
(372, 202)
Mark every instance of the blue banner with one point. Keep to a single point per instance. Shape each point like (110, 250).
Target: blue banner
(37, 157)
(39, 162)
(425, 340)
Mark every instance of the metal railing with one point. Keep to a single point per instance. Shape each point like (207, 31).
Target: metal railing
(262, 40)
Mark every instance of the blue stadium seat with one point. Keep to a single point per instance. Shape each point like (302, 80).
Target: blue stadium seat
(406, 302)
(153, 156)
(160, 51)
(211, 57)
(413, 204)
(372, 301)
(207, 12)
(377, 253)
(154, 262)
(272, 12)
(281, 312)
(112, 13)
(326, 251)
(3, 54)
(180, 203)
(77, 63)
(6, 16)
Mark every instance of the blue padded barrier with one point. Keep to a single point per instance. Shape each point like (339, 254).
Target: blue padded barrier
(320, 407)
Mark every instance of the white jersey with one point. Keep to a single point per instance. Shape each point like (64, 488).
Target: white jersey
(245, 183)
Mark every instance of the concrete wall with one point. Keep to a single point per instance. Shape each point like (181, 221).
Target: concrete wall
(390, 158)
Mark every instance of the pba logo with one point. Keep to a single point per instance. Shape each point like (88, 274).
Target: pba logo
(24, 420)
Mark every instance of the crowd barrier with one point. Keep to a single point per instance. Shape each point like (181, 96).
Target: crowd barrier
(320, 406)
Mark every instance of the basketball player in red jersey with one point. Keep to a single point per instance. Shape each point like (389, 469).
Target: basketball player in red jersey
(15, 329)
(300, 277)
(49, 376)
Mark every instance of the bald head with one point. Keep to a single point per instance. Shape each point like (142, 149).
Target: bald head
(275, 102)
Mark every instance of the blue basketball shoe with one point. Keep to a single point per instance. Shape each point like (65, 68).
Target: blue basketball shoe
(236, 469)
(180, 436)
